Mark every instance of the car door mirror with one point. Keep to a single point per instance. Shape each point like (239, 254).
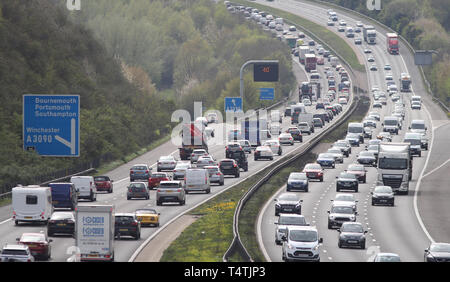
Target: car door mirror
(50, 240)
(338, 230)
(320, 240)
(365, 232)
(356, 213)
(328, 211)
(275, 200)
(426, 251)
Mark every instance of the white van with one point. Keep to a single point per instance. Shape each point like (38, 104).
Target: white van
(357, 127)
(279, 21)
(416, 98)
(275, 116)
(197, 179)
(85, 186)
(31, 204)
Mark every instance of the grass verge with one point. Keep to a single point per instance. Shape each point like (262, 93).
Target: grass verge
(324, 34)
(208, 238)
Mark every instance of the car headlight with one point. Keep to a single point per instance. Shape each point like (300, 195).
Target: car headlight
(290, 247)
(374, 196)
(277, 205)
(316, 247)
(331, 217)
(352, 217)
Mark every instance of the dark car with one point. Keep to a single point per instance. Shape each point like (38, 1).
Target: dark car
(352, 234)
(61, 223)
(138, 190)
(320, 106)
(288, 203)
(297, 181)
(359, 171)
(367, 158)
(437, 252)
(140, 171)
(38, 243)
(317, 122)
(231, 148)
(346, 181)
(156, 178)
(241, 158)
(314, 171)
(103, 183)
(296, 133)
(326, 160)
(127, 224)
(383, 195)
(229, 167)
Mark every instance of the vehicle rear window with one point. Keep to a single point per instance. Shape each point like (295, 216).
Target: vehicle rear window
(124, 219)
(31, 200)
(158, 175)
(139, 168)
(226, 163)
(101, 178)
(32, 238)
(62, 215)
(137, 187)
(14, 252)
(169, 185)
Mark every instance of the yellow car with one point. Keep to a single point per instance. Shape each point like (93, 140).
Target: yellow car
(148, 217)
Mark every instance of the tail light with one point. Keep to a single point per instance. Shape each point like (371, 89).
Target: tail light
(42, 215)
(134, 223)
(179, 190)
(235, 165)
(146, 171)
(129, 190)
(158, 190)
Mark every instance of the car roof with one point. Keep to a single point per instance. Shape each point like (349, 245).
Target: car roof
(298, 227)
(16, 246)
(124, 214)
(342, 204)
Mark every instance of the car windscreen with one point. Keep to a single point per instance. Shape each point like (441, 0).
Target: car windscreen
(169, 185)
(123, 219)
(298, 176)
(440, 248)
(12, 252)
(356, 228)
(303, 235)
(62, 216)
(288, 197)
(347, 175)
(158, 175)
(139, 168)
(344, 210)
(355, 129)
(292, 220)
(413, 141)
(391, 122)
(383, 189)
(418, 126)
(32, 238)
(137, 187)
(389, 163)
(313, 166)
(101, 178)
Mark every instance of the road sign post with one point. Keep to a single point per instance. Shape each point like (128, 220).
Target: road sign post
(264, 70)
(51, 125)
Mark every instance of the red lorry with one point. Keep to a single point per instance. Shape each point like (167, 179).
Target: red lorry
(193, 137)
(310, 62)
(392, 43)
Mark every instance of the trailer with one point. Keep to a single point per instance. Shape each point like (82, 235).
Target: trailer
(405, 82)
(369, 34)
(392, 43)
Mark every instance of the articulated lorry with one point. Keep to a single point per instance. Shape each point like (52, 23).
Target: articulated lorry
(405, 82)
(369, 34)
(395, 166)
(94, 232)
(193, 137)
(392, 43)
(255, 131)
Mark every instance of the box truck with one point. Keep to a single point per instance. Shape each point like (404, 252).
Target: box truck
(394, 166)
(94, 232)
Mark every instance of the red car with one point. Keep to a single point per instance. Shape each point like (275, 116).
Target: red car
(156, 178)
(314, 171)
(38, 243)
(359, 171)
(103, 183)
(320, 61)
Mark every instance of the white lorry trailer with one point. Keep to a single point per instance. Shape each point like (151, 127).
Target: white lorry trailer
(94, 232)
(395, 166)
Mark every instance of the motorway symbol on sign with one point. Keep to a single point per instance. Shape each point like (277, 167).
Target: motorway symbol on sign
(233, 104)
(51, 125)
(266, 93)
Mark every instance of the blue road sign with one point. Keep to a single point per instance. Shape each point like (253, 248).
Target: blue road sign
(51, 125)
(266, 93)
(233, 104)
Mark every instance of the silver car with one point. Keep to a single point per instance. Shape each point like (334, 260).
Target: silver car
(170, 191)
(180, 170)
(138, 190)
(339, 214)
(166, 163)
(246, 146)
(16, 253)
(215, 175)
(204, 161)
(198, 153)
(339, 157)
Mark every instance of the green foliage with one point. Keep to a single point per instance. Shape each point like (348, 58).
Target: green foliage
(43, 52)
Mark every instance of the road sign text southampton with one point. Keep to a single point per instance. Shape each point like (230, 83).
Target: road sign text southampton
(51, 125)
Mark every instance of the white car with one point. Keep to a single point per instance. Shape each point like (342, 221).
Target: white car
(286, 138)
(343, 101)
(345, 199)
(166, 163)
(416, 105)
(338, 156)
(301, 243)
(275, 146)
(307, 102)
(263, 152)
(16, 253)
(304, 127)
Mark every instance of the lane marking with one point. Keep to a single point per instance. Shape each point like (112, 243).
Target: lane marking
(434, 170)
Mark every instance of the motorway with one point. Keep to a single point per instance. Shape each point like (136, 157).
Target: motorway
(126, 248)
(418, 218)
